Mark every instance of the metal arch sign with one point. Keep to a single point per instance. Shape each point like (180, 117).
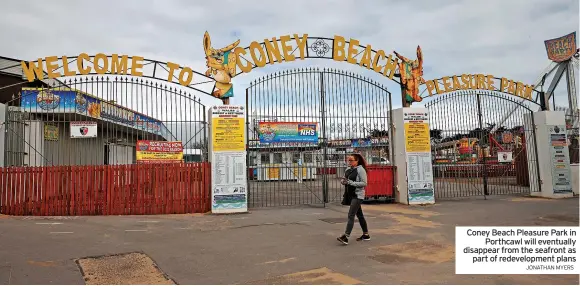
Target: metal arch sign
(222, 63)
(115, 64)
(284, 48)
(489, 82)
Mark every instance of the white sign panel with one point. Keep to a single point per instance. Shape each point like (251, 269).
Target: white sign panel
(504, 157)
(228, 159)
(83, 129)
(517, 250)
(560, 157)
(418, 152)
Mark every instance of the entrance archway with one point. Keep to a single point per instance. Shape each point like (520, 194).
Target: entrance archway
(301, 125)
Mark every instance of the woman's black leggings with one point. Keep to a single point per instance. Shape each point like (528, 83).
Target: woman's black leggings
(356, 209)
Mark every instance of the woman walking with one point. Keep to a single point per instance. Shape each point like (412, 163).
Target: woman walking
(355, 181)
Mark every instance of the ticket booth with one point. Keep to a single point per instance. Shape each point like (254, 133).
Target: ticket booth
(288, 165)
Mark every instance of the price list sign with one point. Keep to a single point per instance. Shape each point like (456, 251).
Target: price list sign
(228, 159)
(228, 128)
(418, 153)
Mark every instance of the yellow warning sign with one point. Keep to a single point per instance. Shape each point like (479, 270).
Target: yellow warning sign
(417, 137)
(228, 134)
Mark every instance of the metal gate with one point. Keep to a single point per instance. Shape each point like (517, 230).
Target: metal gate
(72, 149)
(124, 110)
(482, 144)
(348, 113)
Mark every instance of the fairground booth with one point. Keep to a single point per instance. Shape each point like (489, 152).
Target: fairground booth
(293, 152)
(55, 127)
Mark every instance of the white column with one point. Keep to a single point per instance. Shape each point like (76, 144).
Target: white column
(412, 154)
(553, 160)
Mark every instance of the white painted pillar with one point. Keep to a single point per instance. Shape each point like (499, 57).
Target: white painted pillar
(553, 160)
(412, 154)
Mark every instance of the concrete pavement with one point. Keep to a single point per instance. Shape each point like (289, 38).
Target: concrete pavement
(410, 245)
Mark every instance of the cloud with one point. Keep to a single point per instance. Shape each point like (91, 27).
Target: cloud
(504, 38)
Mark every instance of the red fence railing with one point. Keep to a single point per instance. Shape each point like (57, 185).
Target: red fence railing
(105, 190)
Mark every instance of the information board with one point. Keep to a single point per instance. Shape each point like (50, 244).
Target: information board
(560, 159)
(418, 153)
(228, 128)
(228, 159)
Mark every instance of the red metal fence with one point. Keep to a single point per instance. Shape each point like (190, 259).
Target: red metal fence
(105, 190)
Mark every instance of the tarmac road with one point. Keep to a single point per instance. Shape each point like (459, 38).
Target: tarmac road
(410, 245)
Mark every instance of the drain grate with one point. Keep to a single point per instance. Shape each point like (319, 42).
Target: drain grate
(122, 269)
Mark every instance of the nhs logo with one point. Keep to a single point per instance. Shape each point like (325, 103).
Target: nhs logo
(307, 129)
(306, 132)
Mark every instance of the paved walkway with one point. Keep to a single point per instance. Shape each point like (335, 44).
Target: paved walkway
(410, 245)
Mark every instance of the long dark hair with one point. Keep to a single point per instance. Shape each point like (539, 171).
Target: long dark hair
(360, 159)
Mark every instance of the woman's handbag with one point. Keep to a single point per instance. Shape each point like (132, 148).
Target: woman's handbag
(349, 191)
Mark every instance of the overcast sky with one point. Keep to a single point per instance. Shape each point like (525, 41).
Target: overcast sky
(499, 37)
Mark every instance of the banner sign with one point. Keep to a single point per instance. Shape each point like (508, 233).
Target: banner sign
(562, 48)
(359, 142)
(559, 155)
(228, 159)
(504, 157)
(83, 129)
(418, 152)
(70, 101)
(51, 132)
(159, 151)
(292, 132)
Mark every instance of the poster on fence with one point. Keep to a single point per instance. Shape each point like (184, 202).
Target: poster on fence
(418, 152)
(228, 159)
(50, 132)
(159, 151)
(560, 157)
(504, 156)
(291, 132)
(83, 129)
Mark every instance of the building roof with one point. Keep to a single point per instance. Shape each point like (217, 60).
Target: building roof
(13, 67)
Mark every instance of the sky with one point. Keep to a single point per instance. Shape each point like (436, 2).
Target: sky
(500, 37)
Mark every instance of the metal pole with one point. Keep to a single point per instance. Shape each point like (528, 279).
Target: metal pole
(324, 143)
(572, 97)
(543, 104)
(247, 147)
(205, 147)
(536, 151)
(479, 114)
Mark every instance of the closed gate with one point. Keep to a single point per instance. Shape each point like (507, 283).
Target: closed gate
(302, 124)
(482, 144)
(84, 147)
